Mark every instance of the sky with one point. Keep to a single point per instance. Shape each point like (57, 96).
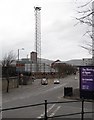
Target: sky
(60, 38)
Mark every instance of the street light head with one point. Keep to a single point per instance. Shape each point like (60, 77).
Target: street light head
(22, 48)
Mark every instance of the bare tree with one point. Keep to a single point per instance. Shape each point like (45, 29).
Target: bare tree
(6, 62)
(86, 17)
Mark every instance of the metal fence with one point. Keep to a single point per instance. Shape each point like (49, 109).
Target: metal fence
(46, 103)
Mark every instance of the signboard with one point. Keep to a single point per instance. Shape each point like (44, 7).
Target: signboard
(86, 80)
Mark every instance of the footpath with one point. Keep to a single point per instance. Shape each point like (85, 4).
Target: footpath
(20, 92)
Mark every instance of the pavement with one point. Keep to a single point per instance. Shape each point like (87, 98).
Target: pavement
(19, 92)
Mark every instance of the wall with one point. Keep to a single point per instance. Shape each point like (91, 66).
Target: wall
(12, 83)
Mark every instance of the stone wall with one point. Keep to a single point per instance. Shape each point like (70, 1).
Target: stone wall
(12, 83)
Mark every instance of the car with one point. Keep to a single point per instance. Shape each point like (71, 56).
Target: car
(56, 81)
(75, 78)
(44, 81)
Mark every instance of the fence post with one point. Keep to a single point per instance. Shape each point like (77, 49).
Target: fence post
(82, 113)
(45, 117)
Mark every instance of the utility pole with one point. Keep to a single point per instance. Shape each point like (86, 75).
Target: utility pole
(38, 38)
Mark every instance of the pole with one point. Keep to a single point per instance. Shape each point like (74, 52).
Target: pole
(18, 54)
(45, 117)
(82, 113)
(18, 70)
(19, 66)
(44, 68)
(93, 33)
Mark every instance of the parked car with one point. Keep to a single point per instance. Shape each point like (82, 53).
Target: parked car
(44, 81)
(56, 81)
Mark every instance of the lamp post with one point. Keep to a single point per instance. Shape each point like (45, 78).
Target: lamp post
(18, 65)
(19, 52)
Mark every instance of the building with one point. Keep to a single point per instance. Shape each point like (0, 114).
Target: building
(29, 65)
(86, 61)
(33, 57)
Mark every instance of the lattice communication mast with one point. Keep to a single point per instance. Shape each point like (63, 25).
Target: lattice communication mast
(38, 37)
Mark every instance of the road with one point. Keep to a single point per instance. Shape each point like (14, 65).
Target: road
(37, 93)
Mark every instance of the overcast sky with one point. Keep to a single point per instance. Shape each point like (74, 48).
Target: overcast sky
(60, 39)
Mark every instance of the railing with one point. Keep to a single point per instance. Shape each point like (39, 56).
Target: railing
(46, 103)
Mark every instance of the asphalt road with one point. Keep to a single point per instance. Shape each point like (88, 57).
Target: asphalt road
(37, 93)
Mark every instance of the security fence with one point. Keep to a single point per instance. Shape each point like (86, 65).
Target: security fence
(82, 111)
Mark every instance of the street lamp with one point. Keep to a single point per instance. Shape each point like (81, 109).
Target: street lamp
(19, 51)
(18, 65)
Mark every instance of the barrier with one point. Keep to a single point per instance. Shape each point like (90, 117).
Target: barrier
(46, 103)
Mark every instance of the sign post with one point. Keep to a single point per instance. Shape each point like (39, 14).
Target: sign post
(87, 82)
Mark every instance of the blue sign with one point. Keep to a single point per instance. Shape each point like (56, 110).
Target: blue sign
(87, 78)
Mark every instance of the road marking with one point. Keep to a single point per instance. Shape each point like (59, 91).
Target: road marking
(47, 111)
(51, 107)
(62, 85)
(52, 114)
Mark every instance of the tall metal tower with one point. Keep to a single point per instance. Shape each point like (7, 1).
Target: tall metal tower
(38, 38)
